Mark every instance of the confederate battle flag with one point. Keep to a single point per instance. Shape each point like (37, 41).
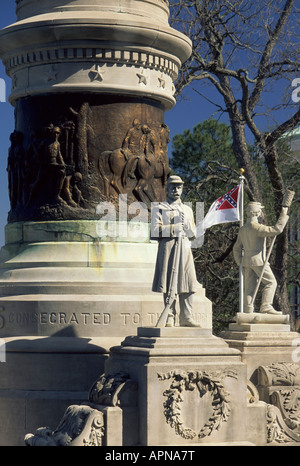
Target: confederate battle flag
(223, 210)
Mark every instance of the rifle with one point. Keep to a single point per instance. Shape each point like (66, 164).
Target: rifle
(172, 293)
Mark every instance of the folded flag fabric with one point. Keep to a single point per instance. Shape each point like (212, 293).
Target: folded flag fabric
(223, 210)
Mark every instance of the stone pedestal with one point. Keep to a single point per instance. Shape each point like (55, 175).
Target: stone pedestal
(262, 340)
(185, 387)
(66, 298)
(191, 386)
(265, 341)
(61, 278)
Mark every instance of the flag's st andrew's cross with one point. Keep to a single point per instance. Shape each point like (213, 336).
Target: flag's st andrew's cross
(229, 200)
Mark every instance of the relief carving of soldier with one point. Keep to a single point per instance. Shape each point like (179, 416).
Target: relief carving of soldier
(142, 157)
(15, 162)
(55, 181)
(51, 172)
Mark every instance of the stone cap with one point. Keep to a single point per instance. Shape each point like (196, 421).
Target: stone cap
(141, 8)
(62, 46)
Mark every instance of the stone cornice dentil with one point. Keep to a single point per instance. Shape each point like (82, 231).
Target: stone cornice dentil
(130, 72)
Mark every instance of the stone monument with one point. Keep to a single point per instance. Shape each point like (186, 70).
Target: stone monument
(91, 81)
(180, 385)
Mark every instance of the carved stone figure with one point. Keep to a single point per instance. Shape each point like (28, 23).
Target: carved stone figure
(85, 424)
(250, 251)
(51, 172)
(170, 220)
(15, 167)
(132, 141)
(54, 168)
(80, 426)
(152, 163)
(142, 158)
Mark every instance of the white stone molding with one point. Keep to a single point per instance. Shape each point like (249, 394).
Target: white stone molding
(154, 9)
(140, 74)
(98, 46)
(97, 70)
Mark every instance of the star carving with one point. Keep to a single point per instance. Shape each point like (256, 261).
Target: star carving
(162, 82)
(51, 75)
(142, 78)
(14, 82)
(97, 74)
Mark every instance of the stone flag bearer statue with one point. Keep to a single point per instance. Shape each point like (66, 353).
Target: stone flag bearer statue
(250, 252)
(172, 224)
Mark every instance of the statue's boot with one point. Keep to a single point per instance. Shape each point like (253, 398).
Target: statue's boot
(188, 322)
(268, 309)
(170, 320)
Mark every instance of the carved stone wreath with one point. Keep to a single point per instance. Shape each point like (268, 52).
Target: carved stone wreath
(204, 382)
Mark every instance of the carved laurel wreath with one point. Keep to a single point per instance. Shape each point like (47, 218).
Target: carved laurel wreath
(204, 383)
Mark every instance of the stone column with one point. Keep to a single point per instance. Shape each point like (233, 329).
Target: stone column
(89, 78)
(91, 81)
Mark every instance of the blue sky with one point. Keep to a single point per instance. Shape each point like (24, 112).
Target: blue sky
(7, 16)
(186, 114)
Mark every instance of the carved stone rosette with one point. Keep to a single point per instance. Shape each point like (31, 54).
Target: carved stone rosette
(83, 74)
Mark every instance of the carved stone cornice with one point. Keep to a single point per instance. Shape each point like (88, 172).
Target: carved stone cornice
(128, 71)
(98, 47)
(130, 56)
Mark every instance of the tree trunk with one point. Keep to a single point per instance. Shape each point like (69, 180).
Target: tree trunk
(242, 155)
(279, 266)
(281, 249)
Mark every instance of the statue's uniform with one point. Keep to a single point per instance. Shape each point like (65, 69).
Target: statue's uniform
(250, 252)
(166, 222)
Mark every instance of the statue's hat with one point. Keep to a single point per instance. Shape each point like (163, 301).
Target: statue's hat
(174, 179)
(254, 206)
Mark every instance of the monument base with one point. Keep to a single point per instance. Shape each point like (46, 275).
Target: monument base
(180, 386)
(191, 386)
(41, 376)
(262, 339)
(184, 387)
(62, 277)
(67, 297)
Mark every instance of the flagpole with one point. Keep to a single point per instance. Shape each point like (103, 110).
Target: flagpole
(241, 208)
